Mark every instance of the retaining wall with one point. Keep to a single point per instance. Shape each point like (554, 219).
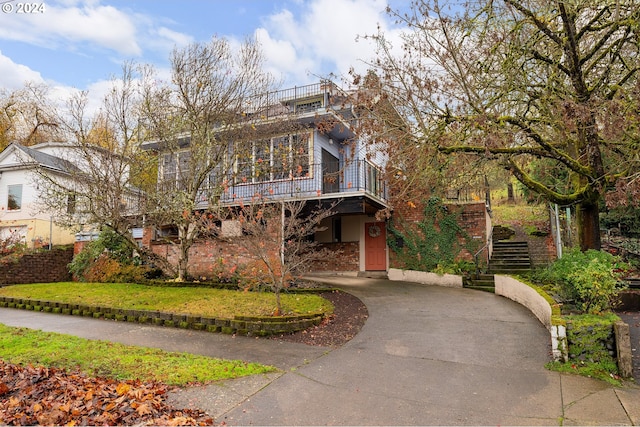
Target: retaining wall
(240, 325)
(425, 278)
(525, 295)
(39, 267)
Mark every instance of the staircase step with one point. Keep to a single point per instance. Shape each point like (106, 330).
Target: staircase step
(509, 262)
(510, 270)
(483, 288)
(510, 243)
(485, 283)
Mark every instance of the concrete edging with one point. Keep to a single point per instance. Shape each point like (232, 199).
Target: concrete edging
(241, 325)
(525, 295)
(425, 278)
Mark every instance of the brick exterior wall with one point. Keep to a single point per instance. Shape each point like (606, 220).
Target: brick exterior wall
(473, 218)
(40, 267)
(345, 257)
(204, 256)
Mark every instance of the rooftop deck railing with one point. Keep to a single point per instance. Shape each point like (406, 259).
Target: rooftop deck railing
(296, 100)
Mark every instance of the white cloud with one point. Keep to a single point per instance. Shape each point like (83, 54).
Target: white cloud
(323, 37)
(73, 24)
(14, 76)
(89, 22)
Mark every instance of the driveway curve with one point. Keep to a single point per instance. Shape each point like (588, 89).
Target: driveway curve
(427, 355)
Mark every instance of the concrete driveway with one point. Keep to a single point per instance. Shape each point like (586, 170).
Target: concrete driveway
(426, 356)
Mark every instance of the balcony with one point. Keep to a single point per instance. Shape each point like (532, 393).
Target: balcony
(319, 181)
(297, 101)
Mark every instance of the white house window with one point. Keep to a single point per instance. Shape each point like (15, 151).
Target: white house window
(175, 170)
(14, 199)
(277, 158)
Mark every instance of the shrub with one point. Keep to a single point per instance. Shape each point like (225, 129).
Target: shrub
(107, 259)
(12, 247)
(591, 279)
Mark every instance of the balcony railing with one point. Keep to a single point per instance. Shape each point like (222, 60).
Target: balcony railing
(296, 100)
(321, 180)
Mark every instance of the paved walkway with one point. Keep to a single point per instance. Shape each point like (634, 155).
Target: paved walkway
(427, 355)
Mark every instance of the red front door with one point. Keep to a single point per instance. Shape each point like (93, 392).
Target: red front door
(375, 246)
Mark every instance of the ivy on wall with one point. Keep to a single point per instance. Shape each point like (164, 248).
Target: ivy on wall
(431, 244)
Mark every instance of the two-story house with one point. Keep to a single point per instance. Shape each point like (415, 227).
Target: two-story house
(21, 212)
(319, 159)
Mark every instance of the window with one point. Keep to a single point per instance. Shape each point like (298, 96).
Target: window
(282, 157)
(169, 170)
(175, 170)
(71, 204)
(14, 200)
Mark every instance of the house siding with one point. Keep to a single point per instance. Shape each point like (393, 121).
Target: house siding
(36, 226)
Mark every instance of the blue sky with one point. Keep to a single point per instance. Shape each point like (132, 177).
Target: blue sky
(80, 44)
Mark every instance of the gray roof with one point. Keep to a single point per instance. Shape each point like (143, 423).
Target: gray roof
(49, 161)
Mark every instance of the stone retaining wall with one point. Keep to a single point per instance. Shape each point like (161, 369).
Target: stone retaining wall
(240, 325)
(39, 267)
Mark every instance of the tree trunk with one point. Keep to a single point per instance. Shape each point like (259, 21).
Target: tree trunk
(588, 221)
(183, 258)
(510, 197)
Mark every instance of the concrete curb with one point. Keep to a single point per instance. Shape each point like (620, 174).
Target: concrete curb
(425, 278)
(525, 295)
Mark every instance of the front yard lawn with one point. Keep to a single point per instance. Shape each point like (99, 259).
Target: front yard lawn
(206, 302)
(116, 361)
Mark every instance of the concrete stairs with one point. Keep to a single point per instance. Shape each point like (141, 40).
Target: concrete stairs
(508, 257)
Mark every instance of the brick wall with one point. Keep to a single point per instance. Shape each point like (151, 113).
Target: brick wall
(473, 218)
(344, 257)
(40, 267)
(204, 256)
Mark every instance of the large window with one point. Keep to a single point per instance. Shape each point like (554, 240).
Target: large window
(282, 157)
(175, 170)
(14, 200)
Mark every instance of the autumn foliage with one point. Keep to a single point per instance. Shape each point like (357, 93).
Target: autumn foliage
(48, 396)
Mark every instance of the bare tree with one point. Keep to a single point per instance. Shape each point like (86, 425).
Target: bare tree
(512, 81)
(279, 236)
(104, 168)
(197, 123)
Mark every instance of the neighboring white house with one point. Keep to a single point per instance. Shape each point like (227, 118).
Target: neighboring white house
(21, 214)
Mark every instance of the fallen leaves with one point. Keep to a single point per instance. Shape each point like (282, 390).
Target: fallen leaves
(48, 396)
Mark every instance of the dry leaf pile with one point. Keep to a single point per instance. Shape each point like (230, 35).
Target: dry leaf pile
(48, 396)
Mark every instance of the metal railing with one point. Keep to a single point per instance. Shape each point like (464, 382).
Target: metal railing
(487, 247)
(296, 100)
(319, 180)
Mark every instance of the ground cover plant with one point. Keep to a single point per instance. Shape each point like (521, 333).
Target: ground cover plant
(586, 282)
(205, 302)
(55, 379)
(116, 361)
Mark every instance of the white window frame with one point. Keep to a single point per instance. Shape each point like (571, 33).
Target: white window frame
(291, 166)
(10, 193)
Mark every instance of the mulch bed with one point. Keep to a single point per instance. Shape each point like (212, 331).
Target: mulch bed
(349, 316)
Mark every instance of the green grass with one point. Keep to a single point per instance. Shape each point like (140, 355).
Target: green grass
(603, 371)
(207, 302)
(117, 361)
(506, 213)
